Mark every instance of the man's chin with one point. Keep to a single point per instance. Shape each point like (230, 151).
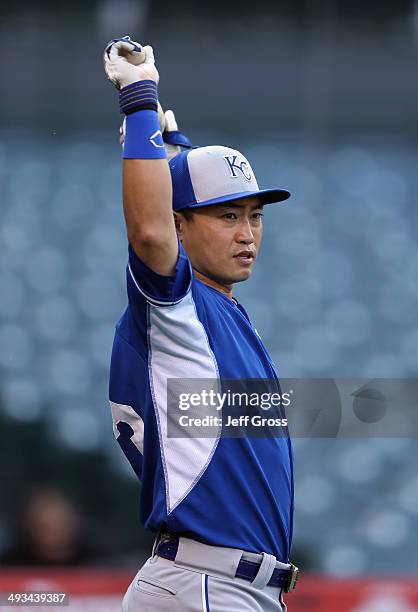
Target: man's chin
(242, 275)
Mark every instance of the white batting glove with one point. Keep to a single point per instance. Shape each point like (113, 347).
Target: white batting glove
(171, 126)
(127, 62)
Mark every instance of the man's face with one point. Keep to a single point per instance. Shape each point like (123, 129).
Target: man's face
(222, 240)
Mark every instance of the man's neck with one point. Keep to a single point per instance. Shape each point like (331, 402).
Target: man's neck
(226, 289)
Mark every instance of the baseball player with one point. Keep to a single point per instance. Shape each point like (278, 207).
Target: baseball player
(221, 506)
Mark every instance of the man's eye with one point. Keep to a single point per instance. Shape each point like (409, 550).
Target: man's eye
(229, 216)
(258, 216)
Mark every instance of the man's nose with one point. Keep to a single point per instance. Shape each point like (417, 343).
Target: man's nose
(244, 232)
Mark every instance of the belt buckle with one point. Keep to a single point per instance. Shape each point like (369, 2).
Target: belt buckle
(293, 578)
(161, 536)
(156, 542)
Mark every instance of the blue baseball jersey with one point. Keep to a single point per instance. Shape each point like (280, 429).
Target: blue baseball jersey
(225, 491)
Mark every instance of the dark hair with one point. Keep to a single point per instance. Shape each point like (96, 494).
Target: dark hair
(187, 213)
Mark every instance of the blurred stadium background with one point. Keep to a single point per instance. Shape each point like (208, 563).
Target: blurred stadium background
(322, 97)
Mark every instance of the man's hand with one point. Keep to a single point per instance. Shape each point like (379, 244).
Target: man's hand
(127, 62)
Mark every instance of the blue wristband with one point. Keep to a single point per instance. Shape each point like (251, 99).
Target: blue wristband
(141, 95)
(143, 138)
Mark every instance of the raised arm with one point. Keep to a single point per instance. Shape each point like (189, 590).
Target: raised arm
(147, 191)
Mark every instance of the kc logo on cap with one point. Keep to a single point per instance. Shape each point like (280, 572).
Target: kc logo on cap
(241, 166)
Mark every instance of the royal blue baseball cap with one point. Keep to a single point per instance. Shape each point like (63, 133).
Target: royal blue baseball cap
(216, 174)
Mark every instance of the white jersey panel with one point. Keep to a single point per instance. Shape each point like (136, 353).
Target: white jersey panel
(179, 348)
(126, 414)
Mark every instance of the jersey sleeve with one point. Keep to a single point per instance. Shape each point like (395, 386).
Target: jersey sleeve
(157, 289)
(127, 391)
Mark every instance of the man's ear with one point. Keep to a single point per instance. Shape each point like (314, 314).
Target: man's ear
(178, 220)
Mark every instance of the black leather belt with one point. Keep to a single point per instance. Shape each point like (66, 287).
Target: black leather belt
(284, 579)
